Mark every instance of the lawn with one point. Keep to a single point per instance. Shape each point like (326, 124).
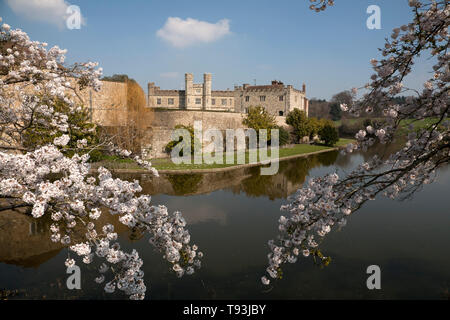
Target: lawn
(299, 149)
(167, 164)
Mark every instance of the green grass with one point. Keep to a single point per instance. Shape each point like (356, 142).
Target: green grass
(343, 142)
(112, 162)
(419, 124)
(299, 149)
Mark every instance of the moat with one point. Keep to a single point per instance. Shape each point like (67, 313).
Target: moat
(231, 216)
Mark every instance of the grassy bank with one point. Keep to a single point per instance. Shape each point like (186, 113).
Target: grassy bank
(349, 127)
(167, 164)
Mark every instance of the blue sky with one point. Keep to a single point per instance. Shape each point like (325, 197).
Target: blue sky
(265, 40)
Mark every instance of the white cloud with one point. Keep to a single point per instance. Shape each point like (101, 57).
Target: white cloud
(182, 33)
(50, 11)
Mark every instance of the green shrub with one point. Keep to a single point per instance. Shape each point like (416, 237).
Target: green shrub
(329, 134)
(169, 147)
(283, 136)
(258, 118)
(300, 122)
(314, 126)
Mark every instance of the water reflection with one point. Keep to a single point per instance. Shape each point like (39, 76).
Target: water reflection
(25, 241)
(290, 177)
(231, 215)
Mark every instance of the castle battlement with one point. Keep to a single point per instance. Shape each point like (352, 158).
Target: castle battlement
(277, 98)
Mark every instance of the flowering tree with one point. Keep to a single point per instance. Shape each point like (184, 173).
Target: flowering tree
(33, 81)
(326, 201)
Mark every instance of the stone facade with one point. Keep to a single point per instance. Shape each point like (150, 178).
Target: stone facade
(277, 98)
(115, 106)
(164, 121)
(108, 106)
(196, 96)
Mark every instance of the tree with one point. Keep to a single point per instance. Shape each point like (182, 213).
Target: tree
(283, 135)
(335, 111)
(117, 78)
(315, 125)
(319, 108)
(343, 97)
(327, 201)
(169, 147)
(299, 121)
(48, 181)
(329, 134)
(258, 118)
(84, 135)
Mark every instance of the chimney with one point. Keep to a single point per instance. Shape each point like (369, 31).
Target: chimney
(304, 87)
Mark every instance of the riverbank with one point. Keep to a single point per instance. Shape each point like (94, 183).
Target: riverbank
(166, 165)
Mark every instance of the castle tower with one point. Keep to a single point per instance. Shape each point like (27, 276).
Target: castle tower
(207, 83)
(189, 90)
(150, 93)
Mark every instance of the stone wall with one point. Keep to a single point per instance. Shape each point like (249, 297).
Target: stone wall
(164, 121)
(109, 105)
(121, 107)
(276, 99)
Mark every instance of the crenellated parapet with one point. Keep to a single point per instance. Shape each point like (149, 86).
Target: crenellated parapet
(277, 98)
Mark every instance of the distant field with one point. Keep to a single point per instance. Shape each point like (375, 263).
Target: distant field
(418, 124)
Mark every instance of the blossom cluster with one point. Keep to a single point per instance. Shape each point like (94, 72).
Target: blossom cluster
(326, 201)
(61, 187)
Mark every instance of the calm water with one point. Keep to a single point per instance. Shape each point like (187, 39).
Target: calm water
(231, 216)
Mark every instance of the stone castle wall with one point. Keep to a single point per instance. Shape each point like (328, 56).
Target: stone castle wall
(276, 98)
(122, 105)
(164, 121)
(109, 105)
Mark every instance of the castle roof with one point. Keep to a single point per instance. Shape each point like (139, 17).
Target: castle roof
(169, 92)
(275, 85)
(265, 87)
(222, 93)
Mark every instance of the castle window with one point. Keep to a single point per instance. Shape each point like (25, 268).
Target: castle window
(262, 98)
(170, 101)
(281, 98)
(158, 101)
(213, 101)
(247, 98)
(198, 100)
(231, 102)
(224, 102)
(280, 113)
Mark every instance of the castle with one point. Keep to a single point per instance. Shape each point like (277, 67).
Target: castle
(276, 98)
